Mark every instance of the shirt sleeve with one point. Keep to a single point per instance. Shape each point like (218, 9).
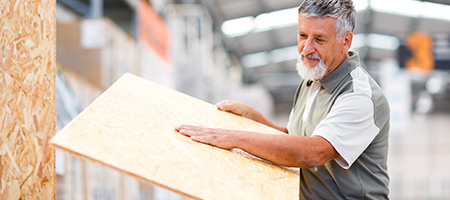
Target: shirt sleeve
(349, 127)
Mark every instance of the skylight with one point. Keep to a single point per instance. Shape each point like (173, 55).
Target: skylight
(237, 27)
(255, 59)
(276, 19)
(269, 21)
(373, 40)
(288, 17)
(412, 8)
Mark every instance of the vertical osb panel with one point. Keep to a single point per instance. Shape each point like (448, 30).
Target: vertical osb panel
(27, 99)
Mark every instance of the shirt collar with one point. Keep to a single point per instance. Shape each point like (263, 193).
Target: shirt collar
(331, 81)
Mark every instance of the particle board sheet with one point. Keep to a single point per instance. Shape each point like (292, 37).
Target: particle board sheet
(27, 99)
(130, 128)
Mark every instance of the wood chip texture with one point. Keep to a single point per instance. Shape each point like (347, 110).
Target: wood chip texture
(27, 99)
(130, 128)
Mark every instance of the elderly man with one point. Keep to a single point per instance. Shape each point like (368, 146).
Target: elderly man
(339, 125)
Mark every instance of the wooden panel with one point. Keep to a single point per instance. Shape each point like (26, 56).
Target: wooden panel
(27, 99)
(130, 128)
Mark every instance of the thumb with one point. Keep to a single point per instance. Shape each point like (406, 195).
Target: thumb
(220, 105)
(226, 105)
(233, 107)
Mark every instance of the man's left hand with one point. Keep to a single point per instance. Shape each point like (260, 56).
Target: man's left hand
(213, 136)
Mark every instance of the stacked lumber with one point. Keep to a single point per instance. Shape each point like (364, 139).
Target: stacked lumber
(27, 99)
(97, 49)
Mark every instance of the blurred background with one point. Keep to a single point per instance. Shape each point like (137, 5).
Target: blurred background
(245, 50)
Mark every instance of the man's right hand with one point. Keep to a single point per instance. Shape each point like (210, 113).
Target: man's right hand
(246, 111)
(237, 108)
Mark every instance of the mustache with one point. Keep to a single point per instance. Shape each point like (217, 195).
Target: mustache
(310, 56)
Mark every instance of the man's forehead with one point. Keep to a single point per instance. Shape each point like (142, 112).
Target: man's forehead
(303, 18)
(316, 25)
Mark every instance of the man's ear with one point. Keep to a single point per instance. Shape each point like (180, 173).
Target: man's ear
(348, 38)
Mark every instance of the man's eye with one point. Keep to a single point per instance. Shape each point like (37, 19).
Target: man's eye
(320, 40)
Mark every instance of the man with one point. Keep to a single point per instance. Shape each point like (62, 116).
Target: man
(338, 126)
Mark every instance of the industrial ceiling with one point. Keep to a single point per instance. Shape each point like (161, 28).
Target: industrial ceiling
(280, 76)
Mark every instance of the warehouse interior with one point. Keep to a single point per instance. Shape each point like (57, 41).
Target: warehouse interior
(246, 50)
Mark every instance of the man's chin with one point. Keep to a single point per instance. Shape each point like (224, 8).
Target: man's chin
(310, 64)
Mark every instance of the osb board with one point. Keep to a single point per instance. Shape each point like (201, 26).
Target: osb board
(27, 99)
(130, 128)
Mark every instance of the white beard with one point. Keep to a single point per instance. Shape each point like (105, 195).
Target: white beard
(314, 73)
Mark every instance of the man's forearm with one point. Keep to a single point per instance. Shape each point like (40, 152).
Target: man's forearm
(257, 116)
(286, 150)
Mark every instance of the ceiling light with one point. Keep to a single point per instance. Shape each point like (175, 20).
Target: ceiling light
(383, 41)
(412, 8)
(269, 21)
(435, 11)
(263, 22)
(401, 7)
(289, 17)
(274, 56)
(360, 5)
(359, 40)
(237, 27)
(379, 41)
(255, 59)
(276, 19)
(284, 54)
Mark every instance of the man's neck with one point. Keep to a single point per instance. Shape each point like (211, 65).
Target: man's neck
(331, 69)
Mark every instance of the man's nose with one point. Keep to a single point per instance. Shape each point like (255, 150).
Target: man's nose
(309, 46)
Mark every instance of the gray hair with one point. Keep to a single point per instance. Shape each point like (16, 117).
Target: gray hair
(342, 10)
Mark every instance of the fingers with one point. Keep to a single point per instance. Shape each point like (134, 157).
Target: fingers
(202, 139)
(189, 130)
(211, 136)
(226, 105)
(196, 133)
(232, 106)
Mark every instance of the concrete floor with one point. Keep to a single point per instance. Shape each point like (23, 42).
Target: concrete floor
(419, 156)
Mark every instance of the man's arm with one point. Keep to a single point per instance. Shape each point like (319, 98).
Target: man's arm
(247, 112)
(286, 150)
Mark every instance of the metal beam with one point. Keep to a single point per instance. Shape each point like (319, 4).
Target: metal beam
(96, 9)
(77, 6)
(132, 3)
(367, 24)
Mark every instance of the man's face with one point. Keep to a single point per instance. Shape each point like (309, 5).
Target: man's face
(317, 41)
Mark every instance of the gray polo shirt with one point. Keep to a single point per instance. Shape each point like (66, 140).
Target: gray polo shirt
(349, 110)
